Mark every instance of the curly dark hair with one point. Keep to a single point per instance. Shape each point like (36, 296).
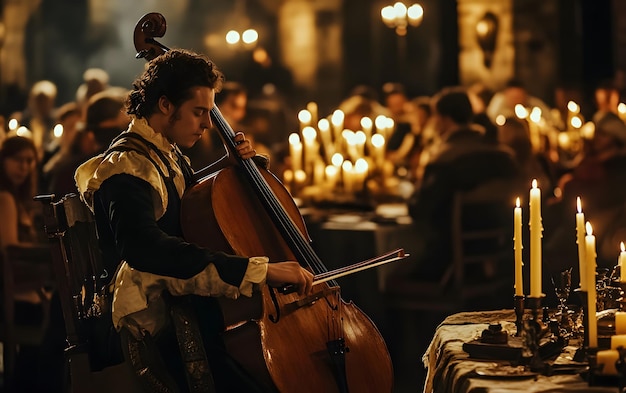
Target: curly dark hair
(172, 75)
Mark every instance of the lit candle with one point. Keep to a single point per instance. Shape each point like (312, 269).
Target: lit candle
(378, 143)
(622, 263)
(347, 176)
(580, 240)
(295, 149)
(312, 108)
(590, 252)
(536, 230)
(305, 118)
(517, 244)
(607, 359)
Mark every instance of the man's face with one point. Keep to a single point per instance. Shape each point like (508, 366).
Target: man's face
(188, 122)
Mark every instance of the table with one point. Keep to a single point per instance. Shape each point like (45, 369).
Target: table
(341, 238)
(451, 370)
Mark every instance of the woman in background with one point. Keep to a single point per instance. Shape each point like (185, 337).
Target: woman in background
(18, 186)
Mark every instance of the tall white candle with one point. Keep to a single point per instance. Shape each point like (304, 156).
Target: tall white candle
(590, 252)
(517, 246)
(622, 262)
(580, 240)
(536, 230)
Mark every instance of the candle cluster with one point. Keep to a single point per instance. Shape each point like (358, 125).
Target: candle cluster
(586, 256)
(326, 154)
(536, 233)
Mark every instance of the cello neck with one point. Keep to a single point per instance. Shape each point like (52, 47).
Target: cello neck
(290, 232)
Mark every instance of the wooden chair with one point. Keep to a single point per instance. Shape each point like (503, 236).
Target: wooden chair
(83, 285)
(482, 254)
(27, 280)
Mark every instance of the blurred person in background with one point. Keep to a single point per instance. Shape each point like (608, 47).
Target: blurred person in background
(39, 117)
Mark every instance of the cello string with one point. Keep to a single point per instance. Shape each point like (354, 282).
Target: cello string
(271, 202)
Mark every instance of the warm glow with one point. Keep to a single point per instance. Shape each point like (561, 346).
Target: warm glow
(415, 13)
(621, 108)
(338, 117)
(331, 171)
(390, 123)
(304, 116)
(380, 121)
(378, 140)
(366, 123)
(517, 202)
(399, 10)
(309, 133)
(535, 114)
(534, 183)
(579, 206)
(482, 28)
(13, 124)
(337, 159)
(25, 132)
(58, 130)
(576, 122)
(588, 130)
(232, 37)
(520, 111)
(360, 166)
(294, 139)
(359, 137)
(300, 176)
(323, 125)
(500, 120)
(589, 229)
(346, 166)
(348, 135)
(573, 107)
(250, 36)
(621, 246)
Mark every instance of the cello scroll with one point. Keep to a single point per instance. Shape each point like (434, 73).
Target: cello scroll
(149, 26)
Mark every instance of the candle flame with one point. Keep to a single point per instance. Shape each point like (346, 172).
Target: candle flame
(534, 183)
(621, 246)
(579, 205)
(589, 229)
(517, 202)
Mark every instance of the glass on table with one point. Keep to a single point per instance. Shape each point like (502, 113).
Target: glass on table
(562, 283)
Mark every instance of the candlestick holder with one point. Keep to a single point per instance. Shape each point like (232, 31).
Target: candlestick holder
(533, 330)
(595, 369)
(518, 306)
(582, 352)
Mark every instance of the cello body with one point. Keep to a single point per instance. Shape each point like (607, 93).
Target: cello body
(289, 344)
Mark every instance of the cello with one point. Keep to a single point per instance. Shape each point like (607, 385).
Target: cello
(288, 343)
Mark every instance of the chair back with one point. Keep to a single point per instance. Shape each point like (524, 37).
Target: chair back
(81, 283)
(27, 279)
(481, 234)
(101, 359)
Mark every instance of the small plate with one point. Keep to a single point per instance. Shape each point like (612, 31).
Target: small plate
(508, 372)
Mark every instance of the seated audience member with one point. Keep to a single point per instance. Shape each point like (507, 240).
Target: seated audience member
(463, 160)
(69, 116)
(515, 134)
(606, 97)
(105, 119)
(18, 186)
(39, 116)
(95, 80)
(503, 102)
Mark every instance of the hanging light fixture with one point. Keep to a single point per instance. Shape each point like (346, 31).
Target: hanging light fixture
(248, 37)
(399, 16)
